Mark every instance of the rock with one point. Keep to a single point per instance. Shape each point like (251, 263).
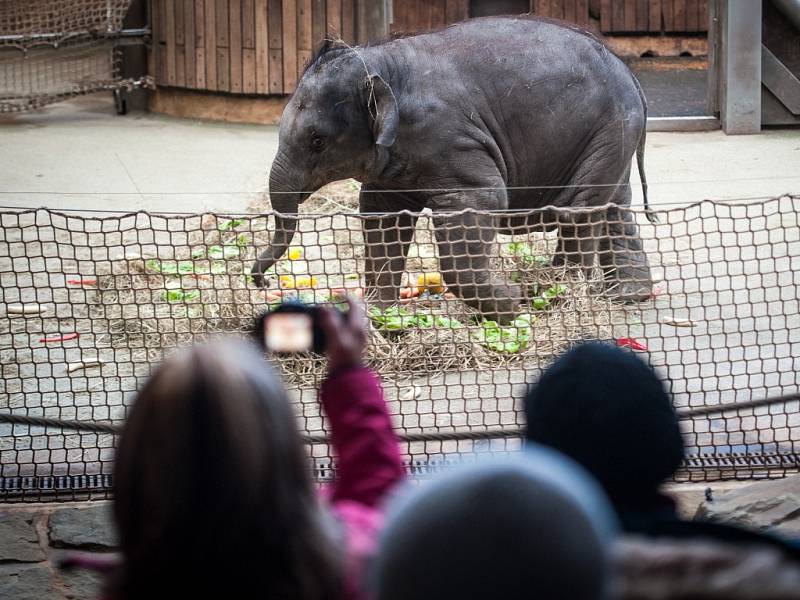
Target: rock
(18, 539)
(29, 583)
(82, 585)
(85, 527)
(772, 506)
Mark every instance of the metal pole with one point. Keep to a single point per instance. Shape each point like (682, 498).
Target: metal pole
(740, 74)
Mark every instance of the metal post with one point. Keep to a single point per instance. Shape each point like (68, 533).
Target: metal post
(740, 66)
(373, 20)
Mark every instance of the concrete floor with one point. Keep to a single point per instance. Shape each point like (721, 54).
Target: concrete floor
(80, 155)
(674, 88)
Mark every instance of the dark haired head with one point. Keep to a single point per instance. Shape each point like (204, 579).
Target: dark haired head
(212, 495)
(607, 409)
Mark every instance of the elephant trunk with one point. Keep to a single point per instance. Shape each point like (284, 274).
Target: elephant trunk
(285, 199)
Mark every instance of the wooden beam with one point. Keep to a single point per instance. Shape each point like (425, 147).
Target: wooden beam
(438, 14)
(235, 45)
(223, 41)
(606, 24)
(169, 23)
(642, 16)
(655, 16)
(582, 13)
(319, 30)
(211, 44)
(630, 15)
(275, 19)
(262, 47)
(200, 43)
(455, 10)
(190, 44)
(372, 20)
(334, 19)
(289, 46)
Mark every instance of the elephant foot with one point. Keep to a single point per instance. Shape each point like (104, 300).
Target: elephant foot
(629, 285)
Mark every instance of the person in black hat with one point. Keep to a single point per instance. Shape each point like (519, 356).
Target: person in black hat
(538, 527)
(609, 411)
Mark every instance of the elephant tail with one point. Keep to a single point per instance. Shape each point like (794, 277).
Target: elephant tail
(651, 216)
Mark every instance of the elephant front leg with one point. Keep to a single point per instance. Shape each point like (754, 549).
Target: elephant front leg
(465, 241)
(387, 239)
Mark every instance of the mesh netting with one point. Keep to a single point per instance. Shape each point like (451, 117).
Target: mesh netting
(92, 303)
(54, 49)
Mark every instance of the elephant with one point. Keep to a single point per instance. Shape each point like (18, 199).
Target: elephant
(491, 114)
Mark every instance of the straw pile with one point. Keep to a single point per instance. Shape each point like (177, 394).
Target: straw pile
(202, 288)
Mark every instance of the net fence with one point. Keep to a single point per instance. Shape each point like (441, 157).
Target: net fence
(55, 49)
(461, 320)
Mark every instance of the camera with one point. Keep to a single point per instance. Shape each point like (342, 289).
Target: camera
(291, 327)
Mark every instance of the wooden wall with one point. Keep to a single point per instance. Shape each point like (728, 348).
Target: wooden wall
(242, 46)
(420, 15)
(653, 16)
(261, 46)
(615, 16)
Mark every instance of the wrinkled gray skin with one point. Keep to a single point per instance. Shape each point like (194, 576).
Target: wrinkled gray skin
(499, 102)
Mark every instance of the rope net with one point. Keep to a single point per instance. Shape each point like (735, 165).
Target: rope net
(91, 302)
(55, 49)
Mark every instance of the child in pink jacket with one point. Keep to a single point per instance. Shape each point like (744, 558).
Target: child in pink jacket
(213, 496)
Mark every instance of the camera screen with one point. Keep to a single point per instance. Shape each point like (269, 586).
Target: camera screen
(288, 332)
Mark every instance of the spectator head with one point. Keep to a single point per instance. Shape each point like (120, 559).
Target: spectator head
(606, 409)
(535, 528)
(212, 493)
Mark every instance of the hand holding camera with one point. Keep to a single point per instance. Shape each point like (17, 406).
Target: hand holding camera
(294, 327)
(345, 335)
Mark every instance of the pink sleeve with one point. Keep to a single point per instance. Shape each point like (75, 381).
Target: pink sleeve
(369, 462)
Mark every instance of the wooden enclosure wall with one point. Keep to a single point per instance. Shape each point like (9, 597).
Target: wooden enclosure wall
(653, 16)
(615, 16)
(631, 16)
(421, 15)
(261, 46)
(242, 46)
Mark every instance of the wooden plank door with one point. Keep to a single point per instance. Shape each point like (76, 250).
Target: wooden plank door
(424, 15)
(653, 16)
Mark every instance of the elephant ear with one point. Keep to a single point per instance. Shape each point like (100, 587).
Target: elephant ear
(385, 116)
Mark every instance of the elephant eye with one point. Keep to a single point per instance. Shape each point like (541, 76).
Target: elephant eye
(317, 143)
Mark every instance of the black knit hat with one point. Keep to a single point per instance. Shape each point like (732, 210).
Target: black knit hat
(608, 410)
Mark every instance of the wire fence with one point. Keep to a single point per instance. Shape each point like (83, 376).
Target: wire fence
(465, 309)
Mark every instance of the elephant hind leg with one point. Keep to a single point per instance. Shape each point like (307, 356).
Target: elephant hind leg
(623, 259)
(579, 235)
(602, 177)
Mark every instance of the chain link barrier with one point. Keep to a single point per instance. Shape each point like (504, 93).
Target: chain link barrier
(459, 327)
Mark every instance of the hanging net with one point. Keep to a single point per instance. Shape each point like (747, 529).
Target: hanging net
(55, 49)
